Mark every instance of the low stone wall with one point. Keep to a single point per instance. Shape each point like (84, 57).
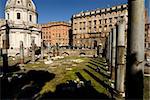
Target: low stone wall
(75, 52)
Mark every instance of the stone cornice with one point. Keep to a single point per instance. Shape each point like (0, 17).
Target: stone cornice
(27, 9)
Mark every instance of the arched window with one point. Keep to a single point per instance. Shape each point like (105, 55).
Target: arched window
(18, 16)
(30, 18)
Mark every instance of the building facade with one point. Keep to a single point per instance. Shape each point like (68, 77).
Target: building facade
(21, 21)
(147, 36)
(56, 32)
(90, 28)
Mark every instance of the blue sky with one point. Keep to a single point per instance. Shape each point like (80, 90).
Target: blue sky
(62, 10)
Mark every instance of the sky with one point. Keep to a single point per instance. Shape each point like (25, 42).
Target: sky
(62, 10)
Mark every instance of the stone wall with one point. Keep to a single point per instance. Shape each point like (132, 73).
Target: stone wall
(75, 52)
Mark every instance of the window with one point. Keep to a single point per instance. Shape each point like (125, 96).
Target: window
(18, 2)
(30, 18)
(105, 21)
(18, 16)
(110, 20)
(94, 22)
(7, 15)
(80, 24)
(110, 25)
(89, 23)
(84, 25)
(115, 19)
(100, 22)
(105, 28)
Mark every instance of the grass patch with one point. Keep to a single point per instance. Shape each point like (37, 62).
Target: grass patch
(62, 76)
(146, 88)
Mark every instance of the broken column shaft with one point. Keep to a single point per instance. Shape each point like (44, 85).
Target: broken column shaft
(21, 53)
(42, 50)
(33, 50)
(120, 58)
(48, 51)
(113, 55)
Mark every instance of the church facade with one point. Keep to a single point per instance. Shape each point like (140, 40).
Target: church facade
(21, 24)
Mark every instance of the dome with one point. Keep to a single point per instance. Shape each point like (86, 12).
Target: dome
(21, 11)
(23, 4)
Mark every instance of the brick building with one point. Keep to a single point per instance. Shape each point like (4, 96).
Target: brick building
(91, 27)
(56, 32)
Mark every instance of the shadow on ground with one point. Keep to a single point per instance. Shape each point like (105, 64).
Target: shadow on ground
(9, 69)
(24, 85)
(75, 90)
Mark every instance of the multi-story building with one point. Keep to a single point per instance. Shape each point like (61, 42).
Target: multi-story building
(147, 41)
(147, 36)
(91, 27)
(56, 32)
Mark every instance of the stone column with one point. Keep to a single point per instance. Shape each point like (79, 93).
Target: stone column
(120, 58)
(48, 51)
(54, 51)
(57, 49)
(28, 46)
(113, 55)
(21, 53)
(42, 50)
(100, 50)
(98, 53)
(27, 52)
(33, 50)
(135, 50)
(5, 39)
(110, 49)
(107, 49)
(5, 54)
